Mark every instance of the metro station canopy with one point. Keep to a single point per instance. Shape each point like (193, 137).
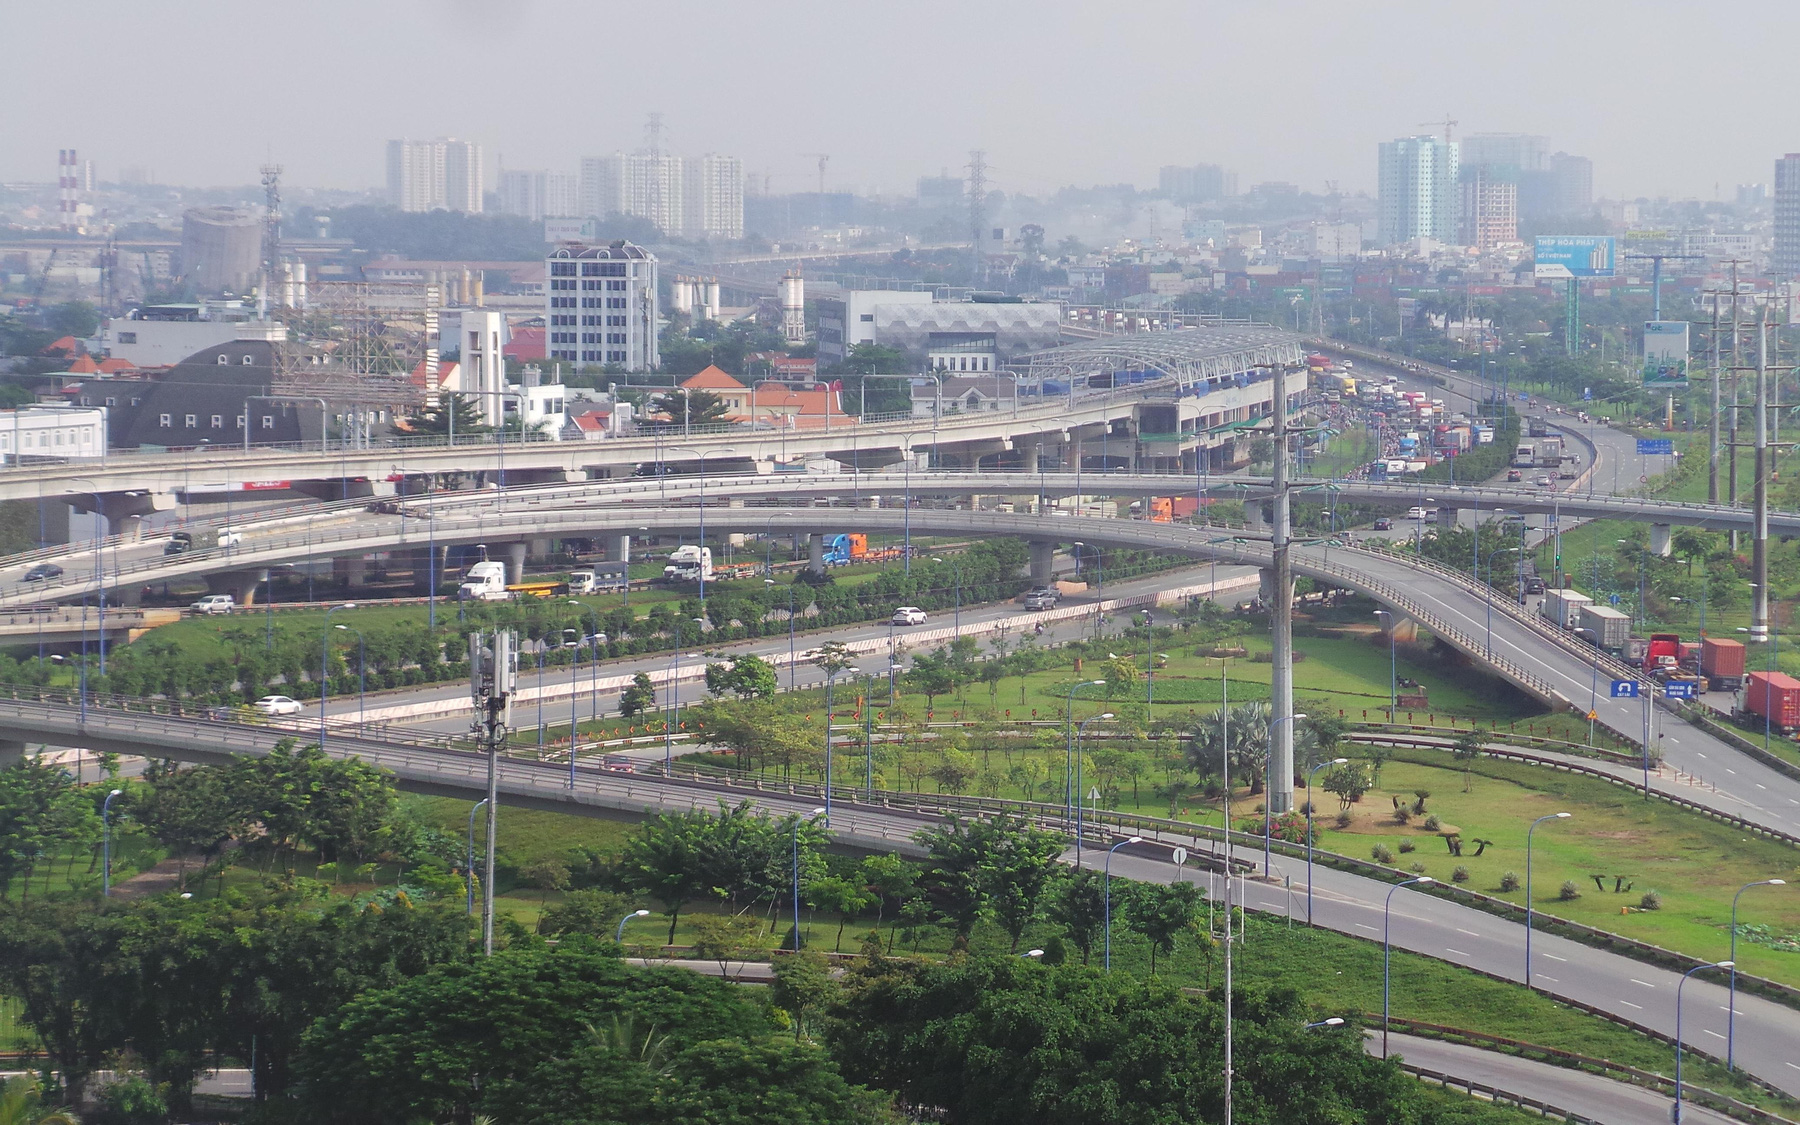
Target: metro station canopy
(1188, 360)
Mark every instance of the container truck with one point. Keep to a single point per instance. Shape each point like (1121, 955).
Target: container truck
(1604, 627)
(689, 564)
(1663, 653)
(1549, 453)
(1774, 697)
(1722, 660)
(484, 581)
(1564, 606)
(848, 548)
(1525, 457)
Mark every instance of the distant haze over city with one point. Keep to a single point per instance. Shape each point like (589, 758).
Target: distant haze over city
(1662, 96)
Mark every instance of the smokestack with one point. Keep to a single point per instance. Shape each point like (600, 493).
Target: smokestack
(68, 187)
(793, 308)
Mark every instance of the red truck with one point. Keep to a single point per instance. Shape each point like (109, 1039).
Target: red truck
(1722, 662)
(1775, 697)
(1663, 653)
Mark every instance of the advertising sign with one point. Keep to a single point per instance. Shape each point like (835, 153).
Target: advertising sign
(1562, 256)
(1665, 353)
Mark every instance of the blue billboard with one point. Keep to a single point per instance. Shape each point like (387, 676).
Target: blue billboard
(1665, 353)
(1563, 256)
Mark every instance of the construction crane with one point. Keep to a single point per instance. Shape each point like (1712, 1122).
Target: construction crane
(823, 158)
(1448, 123)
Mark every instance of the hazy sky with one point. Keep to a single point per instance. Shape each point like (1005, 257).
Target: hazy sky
(1663, 98)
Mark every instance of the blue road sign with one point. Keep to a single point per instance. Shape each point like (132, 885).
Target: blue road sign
(1655, 447)
(1679, 689)
(1624, 689)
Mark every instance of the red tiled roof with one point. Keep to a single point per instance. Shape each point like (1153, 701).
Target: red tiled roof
(113, 366)
(65, 345)
(527, 343)
(84, 365)
(593, 421)
(713, 379)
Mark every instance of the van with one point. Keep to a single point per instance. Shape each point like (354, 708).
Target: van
(213, 603)
(230, 537)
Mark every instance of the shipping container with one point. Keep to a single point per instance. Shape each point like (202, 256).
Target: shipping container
(1604, 627)
(1774, 696)
(1564, 606)
(1722, 659)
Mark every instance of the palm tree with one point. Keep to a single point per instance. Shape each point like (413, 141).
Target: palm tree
(21, 1104)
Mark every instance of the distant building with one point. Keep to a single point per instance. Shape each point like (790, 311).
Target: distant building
(440, 175)
(1489, 209)
(600, 306)
(1525, 151)
(538, 194)
(1199, 183)
(1564, 186)
(973, 336)
(712, 195)
(164, 335)
(52, 433)
(221, 248)
(646, 185)
(1418, 189)
(1330, 242)
(1785, 260)
(940, 193)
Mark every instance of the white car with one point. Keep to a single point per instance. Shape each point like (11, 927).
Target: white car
(908, 615)
(1418, 513)
(213, 603)
(277, 705)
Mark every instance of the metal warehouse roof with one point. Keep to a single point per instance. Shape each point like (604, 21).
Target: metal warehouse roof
(1210, 353)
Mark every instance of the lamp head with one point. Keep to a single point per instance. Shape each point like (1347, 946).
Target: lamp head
(1340, 761)
(1104, 715)
(1564, 815)
(1334, 1021)
(1135, 840)
(1777, 882)
(340, 626)
(819, 811)
(640, 914)
(1034, 953)
(1426, 879)
(115, 793)
(1725, 965)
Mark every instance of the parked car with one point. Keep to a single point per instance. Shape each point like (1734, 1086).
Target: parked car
(277, 705)
(908, 615)
(1384, 524)
(213, 603)
(42, 571)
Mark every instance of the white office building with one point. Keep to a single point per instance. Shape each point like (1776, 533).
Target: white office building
(1418, 190)
(713, 193)
(538, 194)
(600, 306)
(440, 175)
(52, 433)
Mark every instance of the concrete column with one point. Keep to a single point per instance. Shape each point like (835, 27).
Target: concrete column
(515, 562)
(1043, 560)
(618, 548)
(1659, 539)
(815, 553)
(353, 571)
(1028, 457)
(1446, 518)
(11, 752)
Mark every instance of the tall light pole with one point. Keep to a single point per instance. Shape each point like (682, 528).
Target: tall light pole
(1107, 896)
(1393, 664)
(1488, 592)
(324, 669)
(791, 656)
(1732, 965)
(1387, 951)
(1528, 902)
(1309, 830)
(1079, 731)
(702, 455)
(796, 841)
(957, 567)
(1731, 1010)
(470, 881)
(106, 843)
(619, 934)
(362, 678)
(1069, 754)
(672, 682)
(1268, 771)
(831, 675)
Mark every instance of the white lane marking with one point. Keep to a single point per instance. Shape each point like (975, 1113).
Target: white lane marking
(1629, 1004)
(1699, 753)
(1714, 1034)
(1645, 983)
(1471, 933)
(1730, 771)
(1760, 785)
(1458, 952)
(1552, 980)
(1795, 1067)
(1554, 957)
(1371, 929)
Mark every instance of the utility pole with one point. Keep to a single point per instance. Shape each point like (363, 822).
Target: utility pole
(977, 212)
(1279, 791)
(493, 677)
(1712, 466)
(1731, 487)
(1759, 562)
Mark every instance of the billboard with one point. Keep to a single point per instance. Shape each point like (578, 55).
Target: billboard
(1575, 255)
(1665, 353)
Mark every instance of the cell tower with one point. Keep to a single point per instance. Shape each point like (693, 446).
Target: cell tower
(978, 210)
(271, 248)
(68, 184)
(653, 139)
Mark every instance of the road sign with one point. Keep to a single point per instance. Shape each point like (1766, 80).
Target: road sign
(1655, 447)
(1180, 856)
(1624, 689)
(1679, 689)
(1592, 715)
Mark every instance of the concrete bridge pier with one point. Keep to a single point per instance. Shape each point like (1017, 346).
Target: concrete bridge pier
(515, 561)
(1446, 517)
(1659, 539)
(12, 751)
(243, 584)
(618, 547)
(1028, 455)
(353, 571)
(815, 553)
(123, 512)
(1043, 562)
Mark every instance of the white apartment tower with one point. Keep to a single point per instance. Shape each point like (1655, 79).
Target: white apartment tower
(600, 305)
(648, 185)
(440, 175)
(1785, 260)
(1418, 190)
(539, 194)
(713, 191)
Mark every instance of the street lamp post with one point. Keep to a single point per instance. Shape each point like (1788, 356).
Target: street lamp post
(1393, 625)
(796, 841)
(1079, 731)
(619, 934)
(1387, 950)
(362, 678)
(470, 881)
(1488, 592)
(957, 567)
(1731, 1010)
(831, 676)
(1528, 902)
(672, 682)
(1309, 831)
(324, 668)
(702, 455)
(1069, 755)
(106, 843)
(1732, 965)
(771, 582)
(1269, 764)
(1107, 896)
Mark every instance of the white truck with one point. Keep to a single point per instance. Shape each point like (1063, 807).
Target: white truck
(689, 564)
(484, 582)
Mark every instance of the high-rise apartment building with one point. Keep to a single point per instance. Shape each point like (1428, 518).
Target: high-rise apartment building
(539, 194)
(1786, 259)
(440, 175)
(1418, 189)
(1196, 184)
(1564, 186)
(647, 185)
(600, 305)
(1489, 207)
(1525, 151)
(712, 193)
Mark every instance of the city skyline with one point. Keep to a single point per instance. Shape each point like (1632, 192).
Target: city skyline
(1040, 133)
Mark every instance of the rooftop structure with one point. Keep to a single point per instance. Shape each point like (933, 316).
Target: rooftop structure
(1193, 359)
